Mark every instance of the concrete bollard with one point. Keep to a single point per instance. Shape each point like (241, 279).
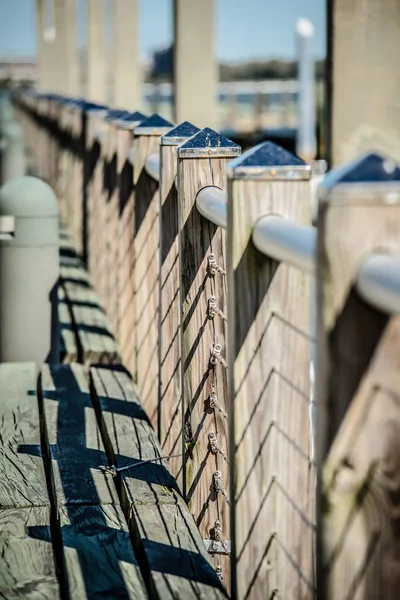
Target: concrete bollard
(29, 271)
(14, 162)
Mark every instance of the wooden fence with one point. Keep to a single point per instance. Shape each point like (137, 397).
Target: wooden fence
(205, 260)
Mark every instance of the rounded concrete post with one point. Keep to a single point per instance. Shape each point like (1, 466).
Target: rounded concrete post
(29, 271)
(14, 158)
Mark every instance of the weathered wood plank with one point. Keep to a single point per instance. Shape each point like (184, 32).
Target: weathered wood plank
(68, 347)
(131, 437)
(27, 562)
(163, 531)
(22, 482)
(170, 422)
(146, 262)
(91, 325)
(199, 239)
(112, 217)
(268, 367)
(126, 234)
(98, 554)
(75, 444)
(358, 383)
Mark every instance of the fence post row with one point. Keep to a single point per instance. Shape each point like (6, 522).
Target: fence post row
(169, 355)
(272, 477)
(146, 261)
(202, 162)
(358, 383)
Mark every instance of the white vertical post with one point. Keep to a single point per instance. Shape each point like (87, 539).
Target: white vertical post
(195, 65)
(127, 79)
(96, 54)
(43, 49)
(65, 73)
(306, 143)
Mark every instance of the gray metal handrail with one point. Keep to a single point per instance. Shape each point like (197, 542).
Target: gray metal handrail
(153, 167)
(378, 282)
(211, 204)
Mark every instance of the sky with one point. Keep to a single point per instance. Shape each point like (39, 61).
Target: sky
(244, 29)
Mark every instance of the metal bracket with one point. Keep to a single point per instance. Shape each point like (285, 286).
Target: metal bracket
(216, 547)
(212, 307)
(215, 357)
(212, 265)
(218, 544)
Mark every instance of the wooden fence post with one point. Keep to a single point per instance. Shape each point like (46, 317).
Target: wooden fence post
(93, 196)
(169, 356)
(201, 162)
(126, 232)
(118, 145)
(358, 383)
(272, 475)
(146, 262)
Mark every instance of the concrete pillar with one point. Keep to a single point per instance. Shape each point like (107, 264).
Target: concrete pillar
(127, 76)
(195, 65)
(96, 51)
(363, 78)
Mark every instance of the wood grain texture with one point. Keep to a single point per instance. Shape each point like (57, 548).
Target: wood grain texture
(358, 402)
(27, 563)
(146, 273)
(165, 538)
(126, 234)
(22, 481)
(365, 78)
(269, 363)
(98, 554)
(170, 423)
(74, 440)
(112, 227)
(68, 345)
(95, 339)
(198, 239)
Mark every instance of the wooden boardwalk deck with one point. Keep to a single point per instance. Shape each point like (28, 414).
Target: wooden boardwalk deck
(70, 526)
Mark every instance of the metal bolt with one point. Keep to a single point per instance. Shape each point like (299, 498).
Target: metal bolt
(213, 443)
(212, 265)
(212, 305)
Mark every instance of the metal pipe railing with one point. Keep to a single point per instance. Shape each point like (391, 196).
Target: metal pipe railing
(378, 282)
(286, 241)
(211, 204)
(153, 166)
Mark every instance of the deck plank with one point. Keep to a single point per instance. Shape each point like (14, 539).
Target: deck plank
(99, 558)
(27, 564)
(75, 444)
(92, 327)
(164, 533)
(68, 346)
(98, 553)
(22, 477)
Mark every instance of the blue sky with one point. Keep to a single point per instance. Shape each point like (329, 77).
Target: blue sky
(244, 29)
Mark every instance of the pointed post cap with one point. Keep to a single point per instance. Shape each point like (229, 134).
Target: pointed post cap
(154, 125)
(268, 161)
(372, 175)
(130, 120)
(208, 143)
(179, 134)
